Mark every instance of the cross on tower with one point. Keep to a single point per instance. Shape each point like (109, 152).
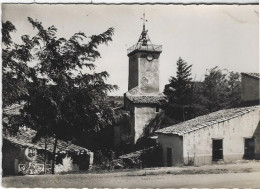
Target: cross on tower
(143, 37)
(144, 20)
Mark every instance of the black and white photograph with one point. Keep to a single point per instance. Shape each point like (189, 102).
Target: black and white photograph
(107, 95)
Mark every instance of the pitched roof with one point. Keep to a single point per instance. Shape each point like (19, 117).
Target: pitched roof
(136, 154)
(135, 95)
(254, 75)
(25, 135)
(205, 121)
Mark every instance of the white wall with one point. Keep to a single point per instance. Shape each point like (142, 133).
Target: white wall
(198, 144)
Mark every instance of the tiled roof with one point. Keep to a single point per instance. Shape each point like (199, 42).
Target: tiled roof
(136, 96)
(135, 154)
(25, 135)
(254, 75)
(145, 99)
(205, 121)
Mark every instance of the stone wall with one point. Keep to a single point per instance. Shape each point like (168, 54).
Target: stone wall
(13, 155)
(133, 72)
(14, 160)
(143, 115)
(144, 73)
(131, 108)
(175, 143)
(148, 75)
(198, 144)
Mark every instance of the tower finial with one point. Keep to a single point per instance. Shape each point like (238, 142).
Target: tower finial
(143, 37)
(144, 20)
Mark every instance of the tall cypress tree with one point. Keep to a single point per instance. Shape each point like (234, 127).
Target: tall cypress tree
(179, 90)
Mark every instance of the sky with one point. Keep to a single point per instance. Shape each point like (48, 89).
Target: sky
(204, 36)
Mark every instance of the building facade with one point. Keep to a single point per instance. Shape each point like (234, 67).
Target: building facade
(225, 135)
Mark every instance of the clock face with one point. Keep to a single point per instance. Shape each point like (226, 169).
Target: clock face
(149, 57)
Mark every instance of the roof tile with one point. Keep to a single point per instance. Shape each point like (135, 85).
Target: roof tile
(206, 120)
(135, 95)
(255, 75)
(24, 138)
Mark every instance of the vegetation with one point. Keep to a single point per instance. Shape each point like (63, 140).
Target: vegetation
(179, 91)
(64, 98)
(219, 90)
(188, 99)
(15, 69)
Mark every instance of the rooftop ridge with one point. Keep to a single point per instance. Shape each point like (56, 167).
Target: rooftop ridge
(218, 117)
(251, 74)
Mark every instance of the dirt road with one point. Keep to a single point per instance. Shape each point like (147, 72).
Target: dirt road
(241, 180)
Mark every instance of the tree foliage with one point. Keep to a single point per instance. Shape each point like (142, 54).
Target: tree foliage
(64, 98)
(64, 95)
(179, 90)
(219, 90)
(214, 92)
(15, 71)
(234, 89)
(7, 27)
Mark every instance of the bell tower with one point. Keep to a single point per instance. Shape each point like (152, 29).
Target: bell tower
(143, 96)
(144, 64)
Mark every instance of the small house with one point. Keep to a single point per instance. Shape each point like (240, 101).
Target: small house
(225, 136)
(22, 156)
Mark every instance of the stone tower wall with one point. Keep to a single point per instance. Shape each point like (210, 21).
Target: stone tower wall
(149, 75)
(133, 72)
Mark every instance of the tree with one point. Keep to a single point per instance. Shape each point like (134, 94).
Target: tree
(15, 75)
(15, 71)
(179, 90)
(7, 27)
(220, 90)
(234, 89)
(65, 96)
(215, 85)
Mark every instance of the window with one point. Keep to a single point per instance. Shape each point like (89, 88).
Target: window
(157, 109)
(217, 149)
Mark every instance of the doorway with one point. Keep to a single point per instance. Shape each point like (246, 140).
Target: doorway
(217, 149)
(249, 148)
(169, 157)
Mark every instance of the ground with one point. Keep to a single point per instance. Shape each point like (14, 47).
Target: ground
(242, 175)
